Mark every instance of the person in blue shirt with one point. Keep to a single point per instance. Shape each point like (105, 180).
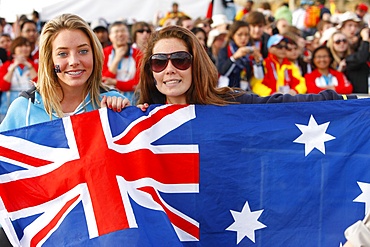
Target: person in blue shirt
(69, 76)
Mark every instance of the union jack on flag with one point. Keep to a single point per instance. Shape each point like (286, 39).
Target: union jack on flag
(290, 174)
(104, 174)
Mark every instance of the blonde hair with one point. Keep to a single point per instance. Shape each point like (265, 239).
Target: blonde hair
(203, 89)
(336, 57)
(48, 84)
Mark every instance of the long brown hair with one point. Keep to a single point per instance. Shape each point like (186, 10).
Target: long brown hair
(203, 89)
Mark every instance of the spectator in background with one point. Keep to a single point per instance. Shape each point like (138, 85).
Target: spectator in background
(16, 74)
(324, 25)
(121, 61)
(295, 54)
(5, 43)
(140, 33)
(257, 24)
(280, 75)
(352, 64)
(282, 25)
(201, 35)
(299, 15)
(204, 23)
(230, 9)
(361, 12)
(220, 22)
(37, 20)
(186, 22)
(29, 31)
(174, 14)
(215, 42)
(100, 28)
(283, 12)
(265, 8)
(324, 76)
(237, 59)
(245, 10)
(7, 28)
(350, 25)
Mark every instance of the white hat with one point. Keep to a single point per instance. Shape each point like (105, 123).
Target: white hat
(219, 19)
(99, 23)
(326, 35)
(213, 34)
(347, 16)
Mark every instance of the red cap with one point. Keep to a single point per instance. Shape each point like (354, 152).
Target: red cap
(362, 7)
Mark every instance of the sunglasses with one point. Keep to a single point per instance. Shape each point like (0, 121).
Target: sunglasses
(280, 46)
(181, 60)
(340, 41)
(144, 30)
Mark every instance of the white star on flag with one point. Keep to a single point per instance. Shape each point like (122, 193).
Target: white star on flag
(313, 136)
(245, 223)
(364, 196)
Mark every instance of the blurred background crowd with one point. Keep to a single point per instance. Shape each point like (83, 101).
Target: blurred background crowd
(262, 47)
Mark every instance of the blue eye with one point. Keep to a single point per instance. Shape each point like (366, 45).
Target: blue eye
(84, 51)
(62, 54)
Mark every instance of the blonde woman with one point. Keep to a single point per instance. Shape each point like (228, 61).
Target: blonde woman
(352, 64)
(69, 76)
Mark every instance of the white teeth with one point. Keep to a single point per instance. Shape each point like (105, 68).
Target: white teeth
(74, 72)
(172, 82)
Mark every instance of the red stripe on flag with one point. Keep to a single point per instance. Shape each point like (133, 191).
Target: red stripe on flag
(45, 231)
(147, 123)
(17, 156)
(174, 218)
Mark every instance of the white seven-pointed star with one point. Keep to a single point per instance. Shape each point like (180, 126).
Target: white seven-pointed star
(364, 196)
(313, 136)
(245, 223)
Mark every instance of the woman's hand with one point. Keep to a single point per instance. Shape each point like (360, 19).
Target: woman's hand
(114, 103)
(342, 65)
(143, 107)
(243, 51)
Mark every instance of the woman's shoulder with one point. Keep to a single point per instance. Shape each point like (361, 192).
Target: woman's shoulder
(16, 114)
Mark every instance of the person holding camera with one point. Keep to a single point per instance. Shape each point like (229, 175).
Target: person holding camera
(239, 60)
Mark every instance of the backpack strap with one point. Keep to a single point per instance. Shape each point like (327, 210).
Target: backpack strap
(29, 94)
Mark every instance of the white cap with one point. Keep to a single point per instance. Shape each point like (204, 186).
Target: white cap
(213, 34)
(219, 19)
(347, 16)
(326, 35)
(99, 23)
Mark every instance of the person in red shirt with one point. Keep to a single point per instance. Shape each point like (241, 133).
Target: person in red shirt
(121, 61)
(323, 76)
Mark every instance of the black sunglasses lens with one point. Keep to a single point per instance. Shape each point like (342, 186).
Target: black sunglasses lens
(158, 62)
(181, 60)
(143, 30)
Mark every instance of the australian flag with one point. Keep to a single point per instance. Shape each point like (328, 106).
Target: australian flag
(290, 174)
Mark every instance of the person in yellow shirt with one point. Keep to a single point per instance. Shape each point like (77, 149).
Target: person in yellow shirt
(247, 8)
(175, 14)
(280, 75)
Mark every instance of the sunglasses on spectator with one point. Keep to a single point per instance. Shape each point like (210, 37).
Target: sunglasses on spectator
(181, 60)
(280, 46)
(290, 48)
(144, 30)
(340, 40)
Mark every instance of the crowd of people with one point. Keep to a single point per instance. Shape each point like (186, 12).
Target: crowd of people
(261, 51)
(69, 66)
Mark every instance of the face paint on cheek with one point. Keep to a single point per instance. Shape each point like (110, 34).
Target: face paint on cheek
(57, 69)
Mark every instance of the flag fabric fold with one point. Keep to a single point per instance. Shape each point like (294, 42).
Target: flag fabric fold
(291, 174)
